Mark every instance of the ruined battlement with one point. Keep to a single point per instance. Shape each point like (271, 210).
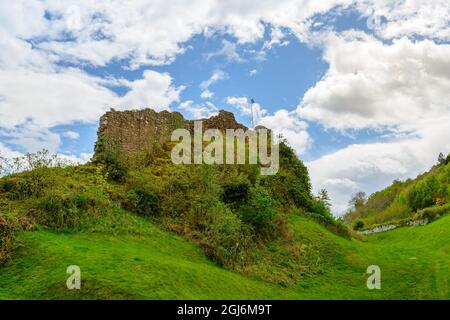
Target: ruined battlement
(137, 132)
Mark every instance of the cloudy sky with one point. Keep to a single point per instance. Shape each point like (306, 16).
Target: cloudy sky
(359, 88)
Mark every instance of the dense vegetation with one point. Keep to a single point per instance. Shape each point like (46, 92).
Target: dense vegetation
(137, 259)
(427, 196)
(157, 230)
(238, 217)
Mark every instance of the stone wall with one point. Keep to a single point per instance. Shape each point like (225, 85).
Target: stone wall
(137, 132)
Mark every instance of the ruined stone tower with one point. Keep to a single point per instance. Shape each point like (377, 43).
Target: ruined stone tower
(137, 132)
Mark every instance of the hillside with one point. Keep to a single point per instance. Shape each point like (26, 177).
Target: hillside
(427, 196)
(146, 262)
(140, 226)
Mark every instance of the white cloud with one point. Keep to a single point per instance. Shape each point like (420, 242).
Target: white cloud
(80, 159)
(373, 166)
(399, 89)
(290, 127)
(276, 39)
(38, 101)
(207, 94)
(154, 90)
(198, 111)
(253, 72)
(374, 85)
(152, 32)
(229, 51)
(242, 104)
(73, 135)
(216, 76)
(410, 18)
(6, 152)
(283, 122)
(51, 98)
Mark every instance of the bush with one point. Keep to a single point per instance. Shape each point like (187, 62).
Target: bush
(434, 212)
(260, 209)
(236, 192)
(59, 211)
(6, 238)
(320, 208)
(358, 225)
(116, 169)
(69, 210)
(25, 185)
(228, 236)
(143, 202)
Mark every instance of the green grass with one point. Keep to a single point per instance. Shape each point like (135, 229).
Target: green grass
(146, 262)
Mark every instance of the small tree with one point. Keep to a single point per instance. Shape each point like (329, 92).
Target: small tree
(324, 197)
(441, 159)
(358, 200)
(358, 225)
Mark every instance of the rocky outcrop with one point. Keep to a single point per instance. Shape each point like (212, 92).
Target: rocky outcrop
(136, 132)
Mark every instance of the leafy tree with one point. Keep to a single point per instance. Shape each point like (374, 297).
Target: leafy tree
(443, 160)
(260, 209)
(324, 197)
(358, 200)
(358, 225)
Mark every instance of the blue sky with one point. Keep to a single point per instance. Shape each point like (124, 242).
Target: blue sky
(358, 88)
(277, 78)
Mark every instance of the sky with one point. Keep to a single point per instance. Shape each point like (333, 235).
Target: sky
(359, 88)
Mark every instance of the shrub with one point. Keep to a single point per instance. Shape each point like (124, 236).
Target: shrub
(422, 195)
(6, 238)
(358, 225)
(236, 192)
(434, 212)
(25, 185)
(69, 210)
(59, 211)
(116, 169)
(320, 207)
(228, 236)
(143, 202)
(291, 185)
(260, 209)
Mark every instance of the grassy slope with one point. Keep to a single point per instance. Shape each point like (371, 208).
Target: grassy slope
(401, 200)
(155, 264)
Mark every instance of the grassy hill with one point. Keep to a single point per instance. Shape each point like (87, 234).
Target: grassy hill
(160, 231)
(144, 261)
(426, 196)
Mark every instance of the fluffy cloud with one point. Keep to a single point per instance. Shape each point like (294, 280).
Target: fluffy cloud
(216, 76)
(229, 51)
(399, 86)
(290, 127)
(51, 98)
(370, 84)
(207, 94)
(38, 101)
(373, 166)
(73, 135)
(400, 90)
(198, 111)
(152, 32)
(154, 90)
(396, 19)
(283, 122)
